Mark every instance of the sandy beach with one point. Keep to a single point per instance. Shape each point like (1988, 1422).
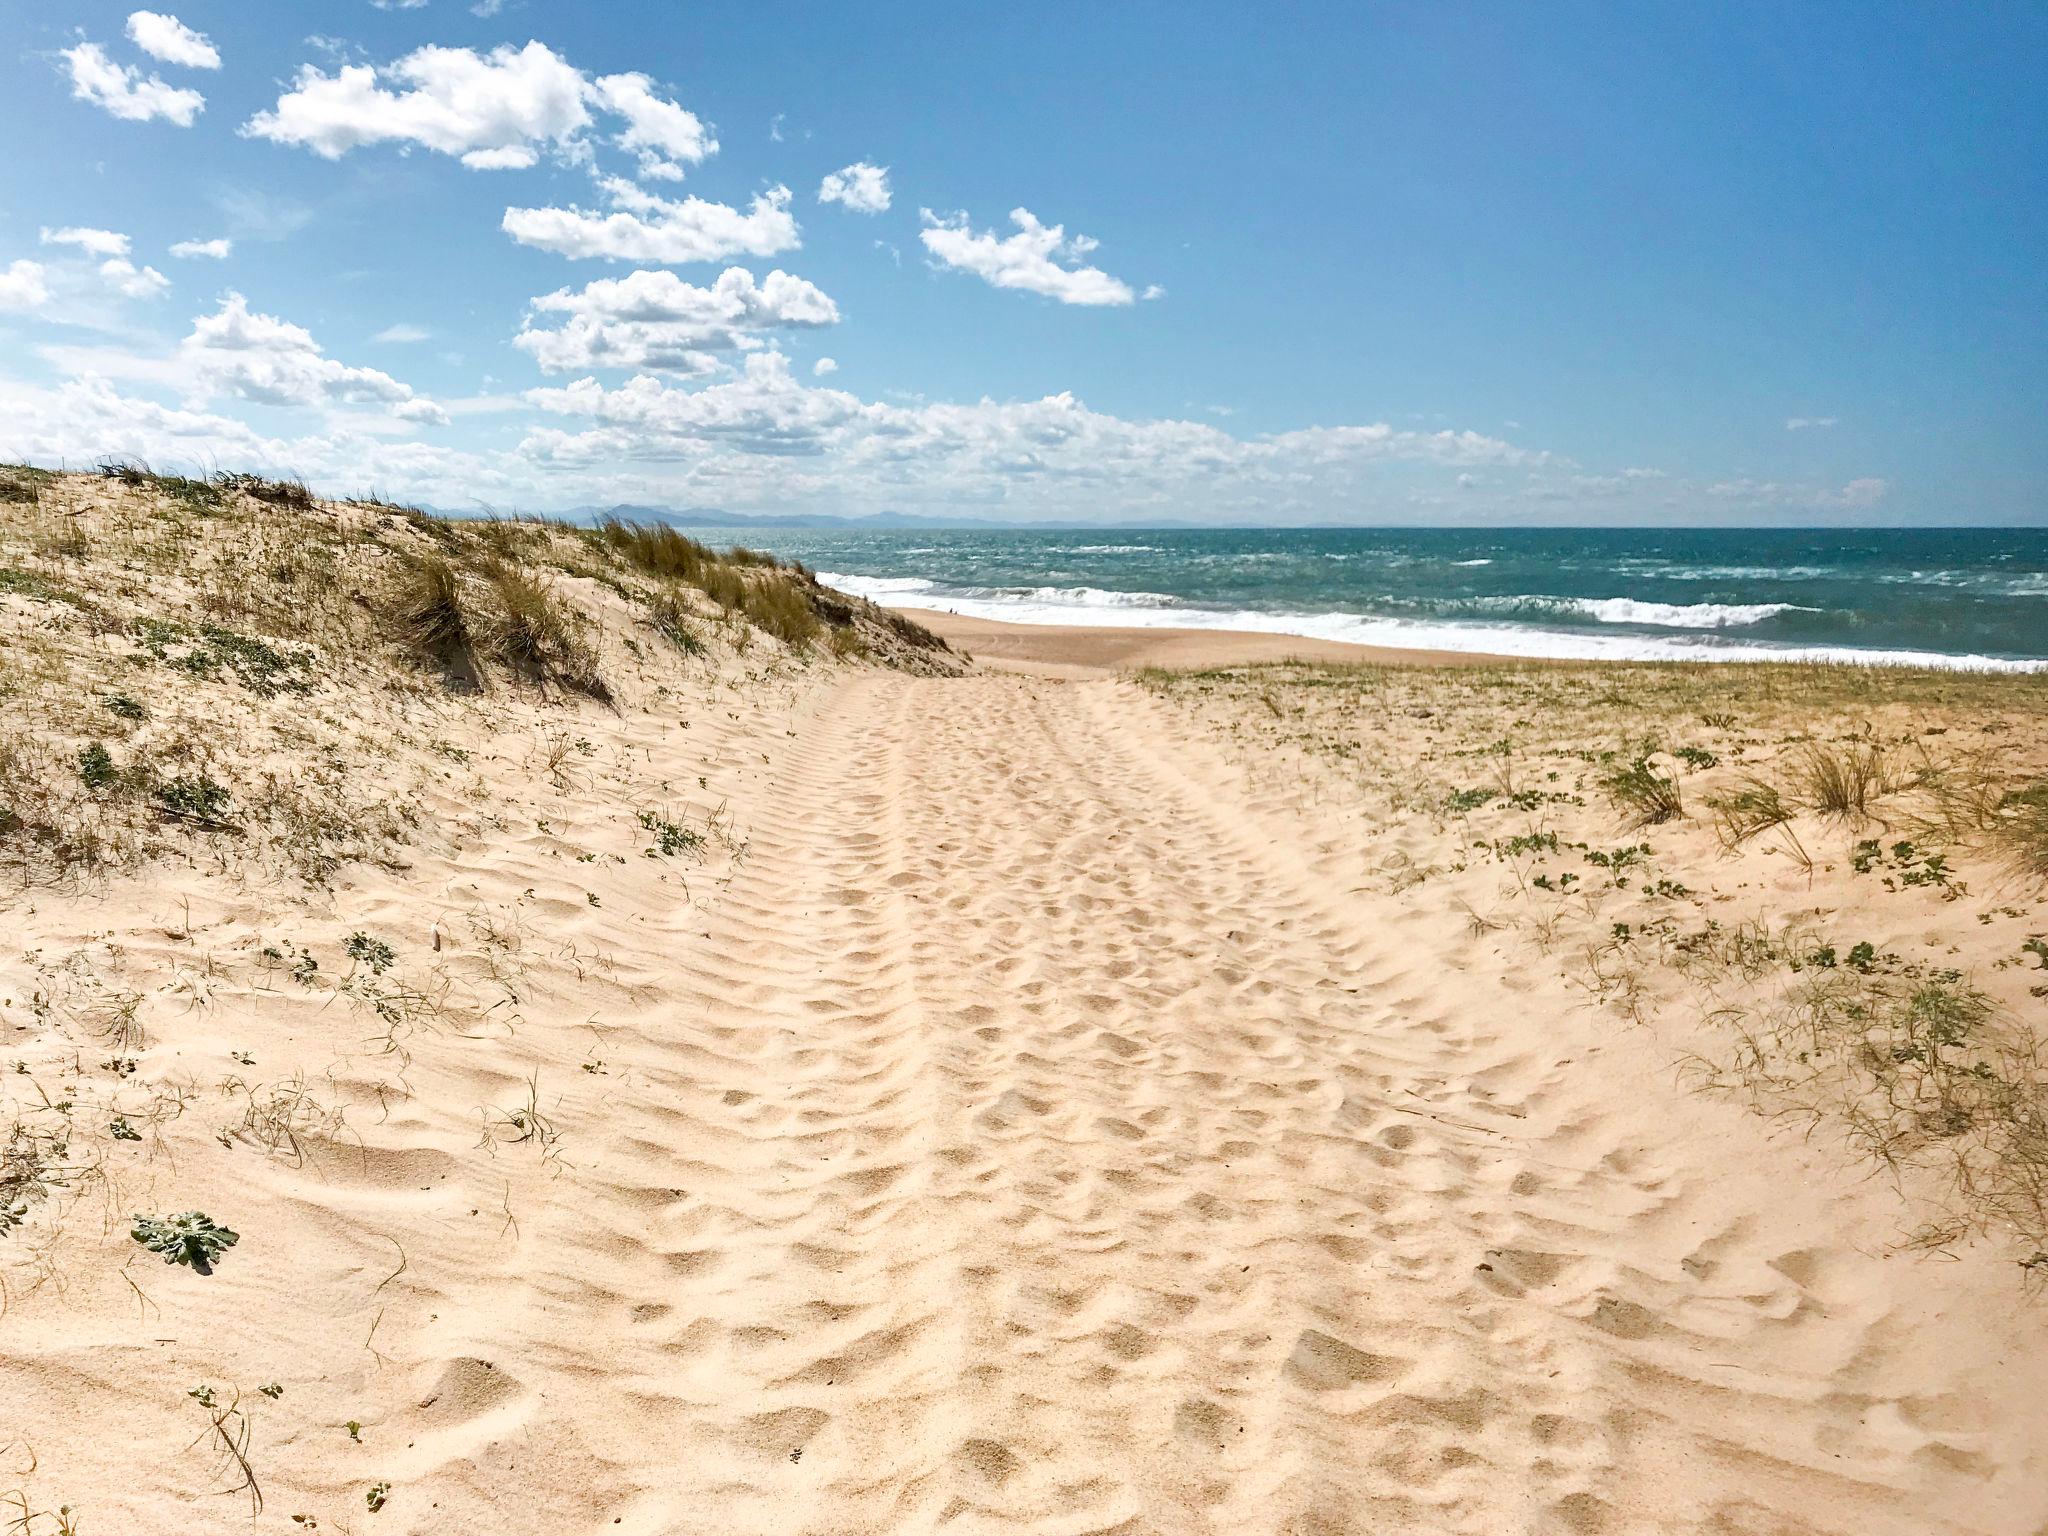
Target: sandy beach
(1080, 650)
(720, 1082)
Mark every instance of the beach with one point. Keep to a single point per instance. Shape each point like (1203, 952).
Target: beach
(752, 1068)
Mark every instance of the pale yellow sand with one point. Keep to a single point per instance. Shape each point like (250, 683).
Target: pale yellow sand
(1030, 1120)
(1080, 650)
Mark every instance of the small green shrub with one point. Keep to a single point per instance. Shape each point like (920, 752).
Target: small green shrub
(670, 838)
(198, 798)
(96, 766)
(374, 953)
(191, 1237)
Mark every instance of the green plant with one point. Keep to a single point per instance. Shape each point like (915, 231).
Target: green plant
(96, 766)
(121, 1130)
(1646, 794)
(126, 708)
(670, 837)
(191, 1237)
(196, 798)
(374, 953)
(377, 1497)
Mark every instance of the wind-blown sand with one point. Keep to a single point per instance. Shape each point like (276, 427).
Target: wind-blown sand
(1026, 1117)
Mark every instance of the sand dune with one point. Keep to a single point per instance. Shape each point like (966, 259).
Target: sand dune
(1021, 1118)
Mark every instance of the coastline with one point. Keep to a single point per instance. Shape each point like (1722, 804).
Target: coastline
(1105, 650)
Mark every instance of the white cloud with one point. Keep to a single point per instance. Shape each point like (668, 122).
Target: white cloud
(1029, 259)
(823, 366)
(211, 250)
(862, 187)
(644, 227)
(653, 320)
(451, 100)
(1808, 423)
(494, 111)
(257, 357)
(659, 128)
(134, 282)
(1866, 492)
(403, 334)
(1038, 453)
(125, 92)
(167, 38)
(94, 242)
(505, 157)
(22, 286)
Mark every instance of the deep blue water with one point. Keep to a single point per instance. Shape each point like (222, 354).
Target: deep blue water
(1956, 595)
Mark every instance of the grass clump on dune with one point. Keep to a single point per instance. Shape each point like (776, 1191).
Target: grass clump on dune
(1843, 781)
(1651, 798)
(542, 637)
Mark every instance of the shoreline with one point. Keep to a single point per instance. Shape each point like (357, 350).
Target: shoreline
(1092, 650)
(1106, 650)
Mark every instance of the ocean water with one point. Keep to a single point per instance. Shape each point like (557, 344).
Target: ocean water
(1952, 597)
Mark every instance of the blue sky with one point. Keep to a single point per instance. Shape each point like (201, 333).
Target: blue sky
(1409, 264)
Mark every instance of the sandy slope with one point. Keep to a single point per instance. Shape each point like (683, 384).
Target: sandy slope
(1024, 1133)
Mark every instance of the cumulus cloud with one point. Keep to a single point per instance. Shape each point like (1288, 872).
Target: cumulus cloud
(659, 129)
(862, 187)
(823, 366)
(209, 250)
(1808, 423)
(651, 320)
(250, 356)
(402, 334)
(451, 100)
(126, 92)
(643, 227)
(22, 286)
(494, 111)
(132, 281)
(167, 38)
(94, 242)
(1031, 259)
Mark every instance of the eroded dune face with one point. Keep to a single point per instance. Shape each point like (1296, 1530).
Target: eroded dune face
(804, 1096)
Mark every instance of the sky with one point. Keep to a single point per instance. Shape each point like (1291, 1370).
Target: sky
(1775, 264)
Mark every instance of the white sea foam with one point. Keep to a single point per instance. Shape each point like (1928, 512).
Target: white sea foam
(1629, 610)
(1471, 562)
(1151, 610)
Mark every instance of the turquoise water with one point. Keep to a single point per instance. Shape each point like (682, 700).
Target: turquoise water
(1955, 596)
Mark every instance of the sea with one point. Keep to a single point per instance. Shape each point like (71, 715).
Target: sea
(1973, 598)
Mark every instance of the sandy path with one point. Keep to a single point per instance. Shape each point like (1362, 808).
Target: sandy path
(1040, 1130)
(1062, 1151)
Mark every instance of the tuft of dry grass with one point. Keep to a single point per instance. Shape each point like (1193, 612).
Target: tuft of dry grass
(429, 610)
(777, 605)
(2020, 831)
(541, 636)
(1841, 781)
